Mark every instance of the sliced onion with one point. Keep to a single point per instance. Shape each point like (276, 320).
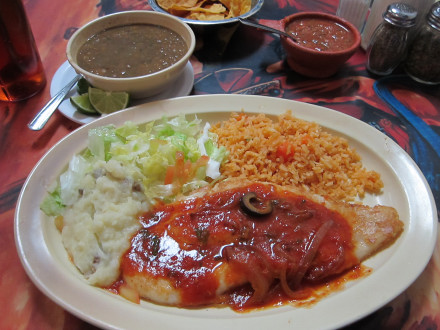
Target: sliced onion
(310, 252)
(256, 269)
(260, 274)
(292, 294)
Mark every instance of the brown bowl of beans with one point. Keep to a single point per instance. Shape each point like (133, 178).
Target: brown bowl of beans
(139, 52)
(324, 42)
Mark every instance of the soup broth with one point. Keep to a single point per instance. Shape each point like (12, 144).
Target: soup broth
(131, 51)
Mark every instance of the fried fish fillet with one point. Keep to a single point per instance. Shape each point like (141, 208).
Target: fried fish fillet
(198, 250)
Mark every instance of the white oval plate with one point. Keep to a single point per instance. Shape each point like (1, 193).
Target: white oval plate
(65, 73)
(394, 269)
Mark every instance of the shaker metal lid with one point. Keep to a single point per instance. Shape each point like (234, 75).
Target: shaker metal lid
(400, 14)
(434, 16)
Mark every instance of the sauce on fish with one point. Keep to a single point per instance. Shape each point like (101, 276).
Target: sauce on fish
(271, 258)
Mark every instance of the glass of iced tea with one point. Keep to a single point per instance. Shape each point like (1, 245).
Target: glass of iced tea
(21, 71)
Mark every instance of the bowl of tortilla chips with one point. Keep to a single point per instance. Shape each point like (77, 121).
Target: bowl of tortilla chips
(208, 12)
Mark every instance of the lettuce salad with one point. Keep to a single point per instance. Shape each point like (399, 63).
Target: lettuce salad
(170, 157)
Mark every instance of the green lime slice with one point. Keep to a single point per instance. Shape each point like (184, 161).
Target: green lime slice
(82, 103)
(107, 102)
(82, 86)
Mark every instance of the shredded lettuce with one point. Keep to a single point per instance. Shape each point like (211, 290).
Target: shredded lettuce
(71, 179)
(208, 146)
(170, 157)
(53, 205)
(100, 141)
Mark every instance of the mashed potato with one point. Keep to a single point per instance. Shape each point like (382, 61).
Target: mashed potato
(96, 202)
(98, 226)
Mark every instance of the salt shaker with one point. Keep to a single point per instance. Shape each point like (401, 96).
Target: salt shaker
(423, 61)
(389, 42)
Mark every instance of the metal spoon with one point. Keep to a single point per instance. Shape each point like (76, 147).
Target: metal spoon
(267, 28)
(43, 116)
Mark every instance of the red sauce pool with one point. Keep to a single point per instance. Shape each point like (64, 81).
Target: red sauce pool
(321, 34)
(185, 242)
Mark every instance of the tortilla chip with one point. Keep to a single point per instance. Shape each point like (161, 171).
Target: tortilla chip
(214, 8)
(206, 17)
(179, 13)
(167, 4)
(211, 9)
(237, 7)
(206, 10)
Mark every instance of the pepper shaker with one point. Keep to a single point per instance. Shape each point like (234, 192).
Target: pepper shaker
(423, 61)
(389, 42)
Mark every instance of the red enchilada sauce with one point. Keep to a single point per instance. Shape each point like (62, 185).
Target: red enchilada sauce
(282, 255)
(321, 34)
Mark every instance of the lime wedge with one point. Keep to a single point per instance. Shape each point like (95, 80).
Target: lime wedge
(107, 102)
(82, 86)
(82, 103)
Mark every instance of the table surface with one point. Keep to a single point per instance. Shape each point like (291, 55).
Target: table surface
(236, 60)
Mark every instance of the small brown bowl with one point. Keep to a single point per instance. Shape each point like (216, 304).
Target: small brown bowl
(318, 63)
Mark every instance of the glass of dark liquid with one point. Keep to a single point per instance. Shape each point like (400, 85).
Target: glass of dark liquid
(21, 71)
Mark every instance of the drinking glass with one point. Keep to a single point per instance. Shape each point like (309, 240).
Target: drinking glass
(21, 71)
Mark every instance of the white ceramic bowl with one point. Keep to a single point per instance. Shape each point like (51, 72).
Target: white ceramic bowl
(141, 86)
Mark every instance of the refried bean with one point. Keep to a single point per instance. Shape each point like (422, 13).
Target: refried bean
(131, 50)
